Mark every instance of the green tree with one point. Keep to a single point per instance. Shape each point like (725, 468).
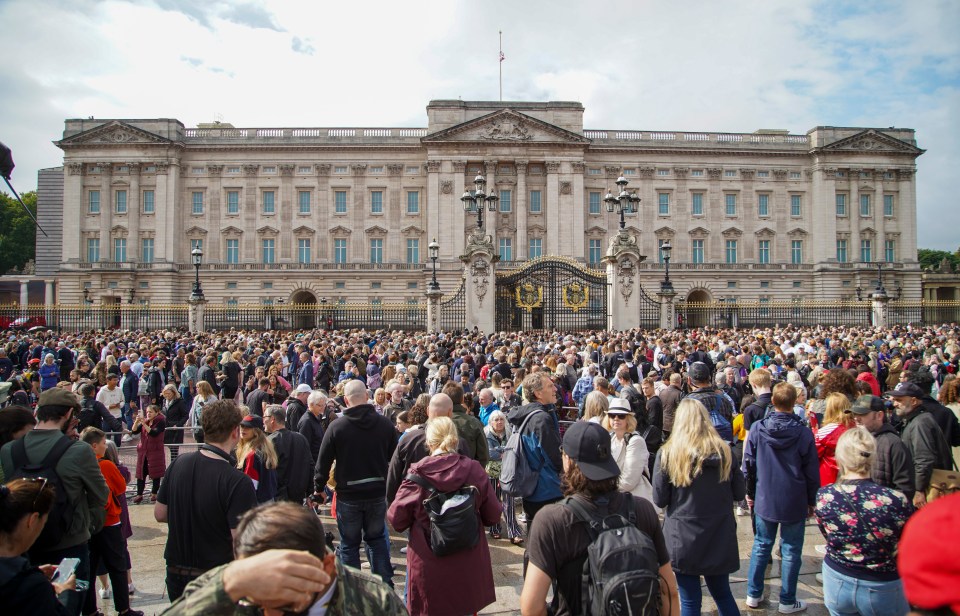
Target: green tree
(933, 258)
(18, 233)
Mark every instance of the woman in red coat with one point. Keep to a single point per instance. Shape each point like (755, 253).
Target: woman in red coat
(151, 458)
(836, 420)
(459, 583)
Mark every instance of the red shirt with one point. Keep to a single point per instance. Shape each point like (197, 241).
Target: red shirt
(118, 489)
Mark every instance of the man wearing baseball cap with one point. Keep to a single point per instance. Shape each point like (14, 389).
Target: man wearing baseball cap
(558, 542)
(297, 404)
(79, 472)
(922, 436)
(893, 465)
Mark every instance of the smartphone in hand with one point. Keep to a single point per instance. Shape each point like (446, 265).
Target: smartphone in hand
(65, 569)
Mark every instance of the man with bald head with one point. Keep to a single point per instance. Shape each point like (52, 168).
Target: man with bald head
(361, 443)
(413, 447)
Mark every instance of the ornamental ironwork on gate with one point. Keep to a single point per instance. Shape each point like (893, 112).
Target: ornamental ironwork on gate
(648, 311)
(453, 309)
(553, 293)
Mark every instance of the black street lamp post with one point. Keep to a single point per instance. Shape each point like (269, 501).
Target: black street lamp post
(666, 286)
(473, 201)
(197, 256)
(434, 249)
(624, 202)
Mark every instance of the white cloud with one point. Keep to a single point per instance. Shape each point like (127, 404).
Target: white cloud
(697, 65)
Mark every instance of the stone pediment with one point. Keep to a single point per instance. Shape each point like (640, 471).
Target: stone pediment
(340, 230)
(664, 232)
(732, 232)
(506, 126)
(267, 230)
(538, 229)
(114, 132)
(764, 232)
(596, 230)
(304, 230)
(699, 231)
(231, 230)
(375, 230)
(197, 231)
(410, 230)
(798, 232)
(872, 140)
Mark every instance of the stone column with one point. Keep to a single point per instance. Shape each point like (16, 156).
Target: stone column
(478, 260)
(520, 207)
(74, 206)
(195, 314)
(490, 172)
(24, 293)
(878, 304)
(667, 316)
(133, 214)
(578, 244)
(106, 211)
(357, 213)
(622, 260)
(433, 308)
(550, 205)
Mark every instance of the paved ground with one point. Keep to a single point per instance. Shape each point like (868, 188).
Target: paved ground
(146, 550)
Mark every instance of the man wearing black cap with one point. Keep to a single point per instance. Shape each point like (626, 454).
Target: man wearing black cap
(922, 436)
(893, 465)
(558, 542)
(719, 407)
(79, 472)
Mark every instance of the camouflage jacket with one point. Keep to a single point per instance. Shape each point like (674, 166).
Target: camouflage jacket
(357, 593)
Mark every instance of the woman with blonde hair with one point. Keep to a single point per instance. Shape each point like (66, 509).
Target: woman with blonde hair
(629, 449)
(205, 396)
(836, 420)
(460, 582)
(695, 481)
(257, 458)
(862, 523)
(380, 400)
(595, 407)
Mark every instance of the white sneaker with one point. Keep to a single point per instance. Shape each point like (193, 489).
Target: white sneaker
(105, 593)
(798, 606)
(741, 511)
(131, 589)
(403, 550)
(126, 438)
(754, 602)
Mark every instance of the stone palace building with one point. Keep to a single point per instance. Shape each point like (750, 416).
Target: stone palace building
(309, 215)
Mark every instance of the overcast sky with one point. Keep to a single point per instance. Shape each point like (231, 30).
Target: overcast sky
(691, 65)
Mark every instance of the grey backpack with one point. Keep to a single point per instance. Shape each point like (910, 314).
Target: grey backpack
(516, 476)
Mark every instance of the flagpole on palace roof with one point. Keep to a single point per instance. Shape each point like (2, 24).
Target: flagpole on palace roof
(501, 65)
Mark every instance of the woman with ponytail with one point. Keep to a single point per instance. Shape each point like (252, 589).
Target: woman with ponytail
(461, 582)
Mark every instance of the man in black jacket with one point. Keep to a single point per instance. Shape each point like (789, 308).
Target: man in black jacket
(893, 466)
(361, 443)
(922, 436)
(947, 421)
(297, 404)
(310, 424)
(208, 373)
(294, 462)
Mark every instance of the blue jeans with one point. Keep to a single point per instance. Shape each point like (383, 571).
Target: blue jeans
(844, 595)
(791, 541)
(72, 599)
(691, 596)
(364, 520)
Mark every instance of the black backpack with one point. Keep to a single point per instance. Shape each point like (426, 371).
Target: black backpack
(621, 572)
(58, 523)
(89, 415)
(455, 527)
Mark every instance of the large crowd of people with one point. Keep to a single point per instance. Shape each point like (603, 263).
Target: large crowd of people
(554, 441)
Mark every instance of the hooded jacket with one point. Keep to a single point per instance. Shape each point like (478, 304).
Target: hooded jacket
(781, 468)
(459, 583)
(925, 440)
(24, 589)
(541, 444)
(361, 442)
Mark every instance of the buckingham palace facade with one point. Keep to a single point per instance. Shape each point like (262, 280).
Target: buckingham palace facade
(302, 215)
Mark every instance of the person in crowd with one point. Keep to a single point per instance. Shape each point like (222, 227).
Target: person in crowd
(782, 475)
(49, 373)
(25, 506)
(922, 436)
(458, 583)
(208, 373)
(176, 413)
(861, 522)
(628, 449)
(188, 379)
(670, 398)
(108, 546)
(150, 424)
(949, 397)
(129, 386)
(892, 466)
(510, 397)
(719, 406)
(595, 407)
(126, 529)
(360, 443)
(111, 396)
(488, 405)
(558, 544)
(469, 427)
(204, 397)
(257, 458)
(231, 370)
(497, 433)
(15, 422)
(540, 442)
(925, 380)
(397, 402)
(837, 419)
(202, 498)
(696, 482)
(311, 423)
(381, 399)
(294, 461)
(283, 566)
(260, 397)
(441, 379)
(80, 475)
